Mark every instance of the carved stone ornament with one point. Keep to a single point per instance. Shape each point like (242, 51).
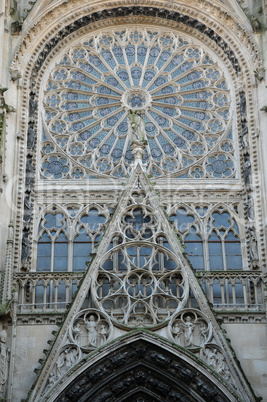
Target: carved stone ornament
(213, 356)
(90, 329)
(190, 328)
(4, 362)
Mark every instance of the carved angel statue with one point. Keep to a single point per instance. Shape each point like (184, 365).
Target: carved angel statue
(137, 126)
(103, 334)
(77, 332)
(176, 330)
(4, 359)
(92, 331)
(188, 331)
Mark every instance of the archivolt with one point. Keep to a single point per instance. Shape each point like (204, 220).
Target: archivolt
(141, 365)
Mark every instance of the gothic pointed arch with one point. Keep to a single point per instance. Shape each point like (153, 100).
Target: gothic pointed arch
(138, 281)
(138, 190)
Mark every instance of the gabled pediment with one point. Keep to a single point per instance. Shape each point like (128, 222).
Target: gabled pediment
(139, 279)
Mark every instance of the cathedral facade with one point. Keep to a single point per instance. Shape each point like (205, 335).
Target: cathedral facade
(133, 200)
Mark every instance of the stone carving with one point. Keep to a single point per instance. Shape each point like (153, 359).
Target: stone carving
(213, 356)
(32, 105)
(243, 106)
(25, 252)
(4, 362)
(244, 135)
(190, 329)
(66, 359)
(137, 126)
(253, 245)
(247, 173)
(250, 208)
(90, 329)
(27, 209)
(29, 174)
(31, 138)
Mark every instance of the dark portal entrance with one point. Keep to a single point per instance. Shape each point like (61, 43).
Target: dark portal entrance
(142, 372)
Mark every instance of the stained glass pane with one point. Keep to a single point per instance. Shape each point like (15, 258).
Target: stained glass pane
(95, 90)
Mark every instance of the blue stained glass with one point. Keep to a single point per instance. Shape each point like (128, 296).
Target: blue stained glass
(168, 149)
(156, 152)
(106, 55)
(86, 67)
(73, 84)
(88, 77)
(112, 81)
(150, 127)
(105, 111)
(123, 75)
(78, 126)
(117, 51)
(171, 100)
(167, 90)
(105, 149)
(188, 134)
(141, 50)
(161, 121)
(94, 142)
(149, 75)
(177, 59)
(168, 111)
(55, 167)
(160, 81)
(123, 127)
(199, 115)
(128, 155)
(136, 73)
(165, 55)
(72, 95)
(179, 142)
(116, 153)
(193, 76)
(112, 120)
(130, 50)
(154, 52)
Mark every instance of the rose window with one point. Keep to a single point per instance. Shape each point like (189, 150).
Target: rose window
(175, 85)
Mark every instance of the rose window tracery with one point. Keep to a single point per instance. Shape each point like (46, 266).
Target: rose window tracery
(178, 87)
(140, 285)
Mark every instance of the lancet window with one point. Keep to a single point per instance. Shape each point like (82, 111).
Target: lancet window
(66, 241)
(211, 237)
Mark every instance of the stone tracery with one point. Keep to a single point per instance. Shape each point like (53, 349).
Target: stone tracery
(178, 87)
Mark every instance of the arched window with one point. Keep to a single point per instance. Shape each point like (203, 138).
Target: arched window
(211, 240)
(52, 248)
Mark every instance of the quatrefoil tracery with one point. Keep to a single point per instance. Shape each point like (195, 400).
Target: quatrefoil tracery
(140, 285)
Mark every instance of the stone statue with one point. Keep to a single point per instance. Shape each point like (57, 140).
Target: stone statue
(188, 332)
(27, 209)
(203, 331)
(29, 173)
(4, 359)
(212, 358)
(253, 245)
(244, 135)
(31, 139)
(176, 330)
(25, 252)
(92, 331)
(243, 104)
(247, 173)
(137, 127)
(250, 208)
(103, 334)
(77, 332)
